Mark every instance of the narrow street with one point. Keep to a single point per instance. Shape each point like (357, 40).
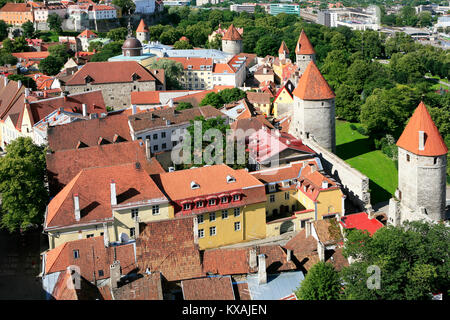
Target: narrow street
(19, 266)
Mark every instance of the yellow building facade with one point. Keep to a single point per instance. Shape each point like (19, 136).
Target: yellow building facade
(283, 99)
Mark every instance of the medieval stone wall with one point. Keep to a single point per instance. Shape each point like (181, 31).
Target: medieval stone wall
(234, 47)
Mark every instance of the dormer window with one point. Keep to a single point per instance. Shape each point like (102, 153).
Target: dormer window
(272, 187)
(135, 77)
(224, 199)
(236, 197)
(212, 202)
(186, 206)
(88, 79)
(194, 185)
(199, 204)
(230, 179)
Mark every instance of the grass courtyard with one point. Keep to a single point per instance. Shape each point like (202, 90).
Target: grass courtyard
(356, 149)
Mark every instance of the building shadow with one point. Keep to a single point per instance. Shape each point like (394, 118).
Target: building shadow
(354, 148)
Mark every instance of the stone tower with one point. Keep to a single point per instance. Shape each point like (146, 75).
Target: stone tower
(232, 41)
(283, 52)
(142, 33)
(304, 52)
(422, 162)
(313, 109)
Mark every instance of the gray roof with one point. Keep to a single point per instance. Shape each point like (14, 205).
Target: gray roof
(278, 285)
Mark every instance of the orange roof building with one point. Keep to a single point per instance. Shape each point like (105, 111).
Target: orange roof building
(304, 52)
(421, 136)
(232, 41)
(142, 27)
(232, 34)
(142, 33)
(313, 86)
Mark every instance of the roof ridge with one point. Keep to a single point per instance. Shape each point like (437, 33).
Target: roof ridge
(312, 85)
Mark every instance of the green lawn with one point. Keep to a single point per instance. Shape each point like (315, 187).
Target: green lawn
(356, 150)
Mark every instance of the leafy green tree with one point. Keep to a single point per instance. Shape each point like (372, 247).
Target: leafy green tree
(7, 58)
(60, 51)
(117, 34)
(22, 185)
(212, 99)
(172, 71)
(3, 30)
(267, 45)
(413, 260)
(26, 81)
(54, 22)
(8, 45)
(407, 68)
(155, 32)
(51, 65)
(348, 103)
(333, 66)
(184, 105)
(170, 36)
(182, 44)
(28, 29)
(321, 283)
(125, 5)
(108, 50)
(95, 45)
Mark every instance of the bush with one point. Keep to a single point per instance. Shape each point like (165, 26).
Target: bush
(353, 127)
(362, 131)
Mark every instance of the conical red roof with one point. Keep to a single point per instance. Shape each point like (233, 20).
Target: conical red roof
(283, 48)
(232, 34)
(142, 27)
(304, 46)
(421, 121)
(312, 85)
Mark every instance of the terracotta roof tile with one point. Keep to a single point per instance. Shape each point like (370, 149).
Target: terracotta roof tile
(283, 48)
(327, 231)
(68, 136)
(92, 185)
(110, 72)
(195, 63)
(168, 246)
(312, 85)
(258, 97)
(361, 221)
(421, 120)
(146, 287)
(215, 288)
(64, 165)
(242, 292)
(145, 97)
(87, 34)
(232, 34)
(63, 257)
(33, 55)
(16, 7)
(226, 261)
(304, 46)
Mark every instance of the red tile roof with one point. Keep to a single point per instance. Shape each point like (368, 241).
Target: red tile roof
(214, 288)
(31, 55)
(232, 34)
(168, 246)
(142, 27)
(304, 46)
(283, 48)
(64, 165)
(145, 97)
(361, 222)
(92, 185)
(258, 97)
(93, 256)
(111, 72)
(16, 7)
(195, 63)
(312, 85)
(71, 103)
(146, 287)
(112, 128)
(87, 34)
(421, 121)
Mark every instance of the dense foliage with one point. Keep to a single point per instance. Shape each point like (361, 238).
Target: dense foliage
(321, 283)
(172, 70)
(222, 97)
(22, 185)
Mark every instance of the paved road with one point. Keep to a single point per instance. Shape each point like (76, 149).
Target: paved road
(19, 266)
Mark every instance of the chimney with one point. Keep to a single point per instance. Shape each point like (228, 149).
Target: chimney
(265, 70)
(105, 235)
(321, 251)
(136, 229)
(114, 274)
(27, 92)
(133, 109)
(252, 258)
(5, 81)
(195, 230)
(84, 108)
(170, 103)
(324, 184)
(147, 149)
(308, 229)
(76, 203)
(313, 167)
(19, 84)
(289, 255)
(113, 193)
(421, 140)
(262, 274)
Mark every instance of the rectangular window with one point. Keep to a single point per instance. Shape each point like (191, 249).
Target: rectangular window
(212, 202)
(155, 209)
(134, 213)
(199, 204)
(163, 134)
(155, 136)
(200, 218)
(212, 231)
(76, 254)
(155, 147)
(132, 232)
(224, 199)
(212, 216)
(164, 146)
(186, 206)
(236, 197)
(237, 226)
(148, 137)
(272, 198)
(100, 273)
(201, 233)
(90, 235)
(237, 212)
(224, 214)
(407, 157)
(286, 196)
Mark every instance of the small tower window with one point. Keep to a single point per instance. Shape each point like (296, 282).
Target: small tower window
(435, 160)
(407, 158)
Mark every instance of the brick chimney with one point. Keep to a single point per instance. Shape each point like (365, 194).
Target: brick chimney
(114, 274)
(289, 255)
(133, 109)
(262, 273)
(113, 193)
(136, 228)
(308, 226)
(76, 204)
(147, 149)
(321, 251)
(252, 258)
(19, 84)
